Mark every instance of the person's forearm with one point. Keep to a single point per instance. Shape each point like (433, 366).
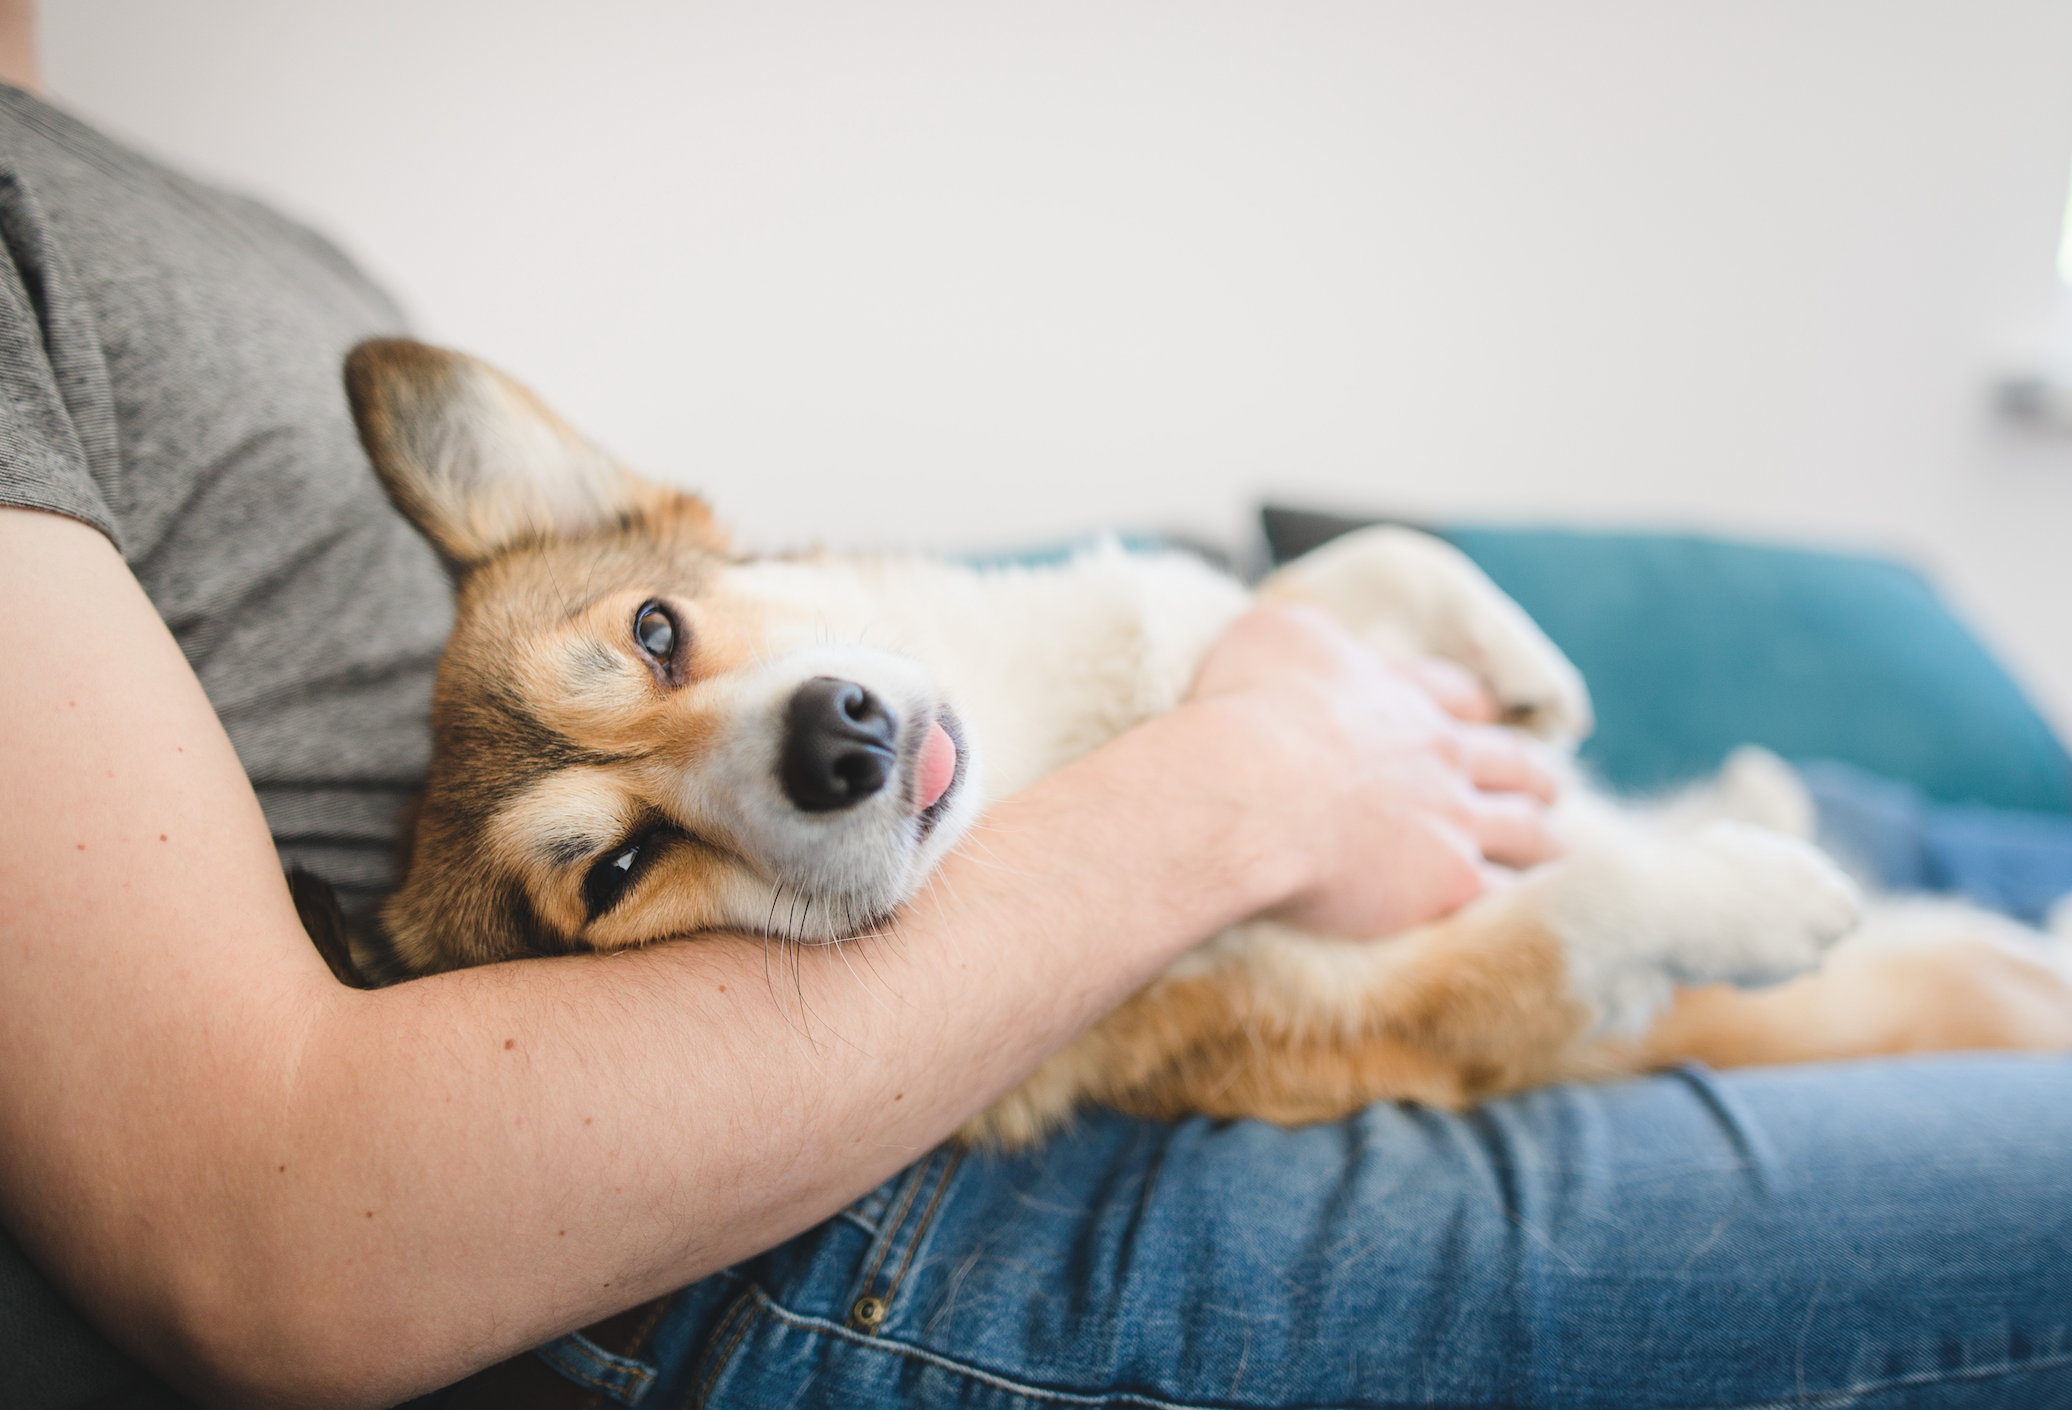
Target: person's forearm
(461, 1166)
(476, 1161)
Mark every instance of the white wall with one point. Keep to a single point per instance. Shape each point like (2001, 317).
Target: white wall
(966, 273)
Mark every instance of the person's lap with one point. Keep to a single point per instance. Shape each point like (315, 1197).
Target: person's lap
(1888, 1233)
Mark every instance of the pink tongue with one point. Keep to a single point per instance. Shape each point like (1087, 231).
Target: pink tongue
(934, 769)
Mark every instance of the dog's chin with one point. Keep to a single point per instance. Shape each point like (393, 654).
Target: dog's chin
(819, 905)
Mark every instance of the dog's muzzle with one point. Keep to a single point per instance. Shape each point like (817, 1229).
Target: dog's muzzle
(840, 745)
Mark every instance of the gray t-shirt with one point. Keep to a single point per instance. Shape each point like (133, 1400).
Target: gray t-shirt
(170, 363)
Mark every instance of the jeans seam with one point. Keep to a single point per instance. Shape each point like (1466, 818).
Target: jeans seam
(1822, 1400)
(893, 1253)
(627, 1365)
(921, 1228)
(871, 1208)
(989, 1378)
(892, 1225)
(742, 1314)
(1842, 1398)
(641, 1373)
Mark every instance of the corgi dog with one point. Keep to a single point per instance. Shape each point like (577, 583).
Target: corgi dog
(640, 735)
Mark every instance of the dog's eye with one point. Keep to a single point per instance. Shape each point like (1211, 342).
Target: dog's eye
(655, 632)
(608, 877)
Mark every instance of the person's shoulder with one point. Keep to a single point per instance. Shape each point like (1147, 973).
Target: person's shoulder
(37, 136)
(272, 224)
(76, 165)
(73, 167)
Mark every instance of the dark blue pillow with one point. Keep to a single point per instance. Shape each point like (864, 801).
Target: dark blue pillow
(1694, 645)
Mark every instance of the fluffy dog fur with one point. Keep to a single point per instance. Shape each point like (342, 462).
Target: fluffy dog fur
(591, 792)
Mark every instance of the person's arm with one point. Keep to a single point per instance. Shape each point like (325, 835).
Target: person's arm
(274, 1189)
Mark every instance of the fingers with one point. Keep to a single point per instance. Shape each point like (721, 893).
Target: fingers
(1507, 783)
(1455, 872)
(1505, 761)
(1456, 689)
(1407, 762)
(1513, 829)
(1498, 878)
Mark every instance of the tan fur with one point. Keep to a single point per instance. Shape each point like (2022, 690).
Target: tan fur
(403, 396)
(525, 634)
(1868, 1000)
(1449, 1014)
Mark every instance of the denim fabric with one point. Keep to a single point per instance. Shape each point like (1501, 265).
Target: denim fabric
(2016, 863)
(1885, 1234)
(618, 1378)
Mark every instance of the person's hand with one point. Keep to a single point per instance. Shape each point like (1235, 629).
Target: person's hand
(1401, 790)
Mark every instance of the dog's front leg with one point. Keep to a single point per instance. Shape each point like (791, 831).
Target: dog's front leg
(1409, 594)
(1728, 903)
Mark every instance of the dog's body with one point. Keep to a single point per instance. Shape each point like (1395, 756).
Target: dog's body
(639, 736)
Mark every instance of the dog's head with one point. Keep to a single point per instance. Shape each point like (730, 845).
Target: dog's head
(636, 734)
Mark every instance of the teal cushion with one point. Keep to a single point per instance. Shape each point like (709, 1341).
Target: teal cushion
(1694, 645)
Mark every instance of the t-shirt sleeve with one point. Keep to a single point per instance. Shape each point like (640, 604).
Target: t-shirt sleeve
(58, 445)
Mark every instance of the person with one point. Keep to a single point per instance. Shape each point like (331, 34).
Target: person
(266, 1188)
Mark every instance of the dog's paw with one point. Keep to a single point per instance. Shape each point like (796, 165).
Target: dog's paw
(1777, 904)
(1730, 903)
(1536, 687)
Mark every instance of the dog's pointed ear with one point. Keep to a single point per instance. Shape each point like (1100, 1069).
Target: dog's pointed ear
(479, 463)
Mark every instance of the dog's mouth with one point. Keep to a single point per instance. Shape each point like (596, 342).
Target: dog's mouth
(936, 772)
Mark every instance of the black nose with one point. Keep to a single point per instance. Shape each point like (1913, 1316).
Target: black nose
(839, 744)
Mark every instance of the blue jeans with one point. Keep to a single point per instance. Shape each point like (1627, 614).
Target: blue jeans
(1894, 837)
(1889, 1233)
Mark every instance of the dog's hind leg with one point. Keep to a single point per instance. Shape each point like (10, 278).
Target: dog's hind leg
(1283, 1026)
(1514, 991)
(1920, 977)
(1288, 1028)
(1472, 1006)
